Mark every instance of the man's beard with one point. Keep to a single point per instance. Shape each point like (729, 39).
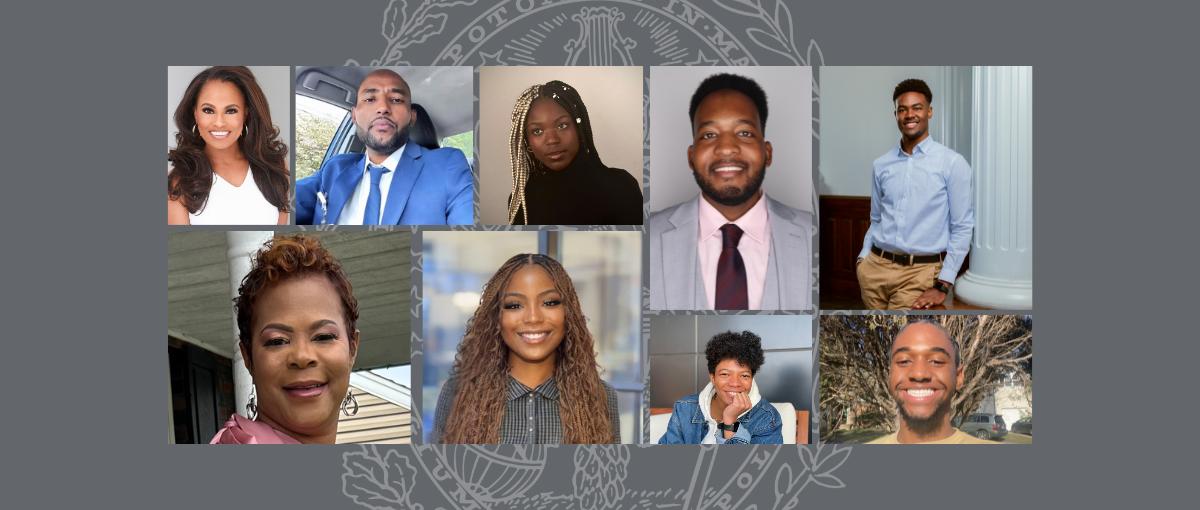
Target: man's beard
(732, 196)
(926, 426)
(383, 146)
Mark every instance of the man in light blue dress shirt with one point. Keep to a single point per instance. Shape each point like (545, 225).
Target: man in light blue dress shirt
(921, 213)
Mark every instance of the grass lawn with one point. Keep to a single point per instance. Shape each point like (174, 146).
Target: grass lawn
(857, 436)
(1018, 439)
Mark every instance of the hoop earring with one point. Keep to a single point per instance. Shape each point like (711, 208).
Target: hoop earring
(346, 402)
(252, 406)
(247, 129)
(194, 130)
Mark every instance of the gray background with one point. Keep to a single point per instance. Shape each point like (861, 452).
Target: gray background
(789, 114)
(1097, 64)
(679, 367)
(276, 84)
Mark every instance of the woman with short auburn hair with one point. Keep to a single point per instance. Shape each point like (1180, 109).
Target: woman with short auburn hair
(297, 317)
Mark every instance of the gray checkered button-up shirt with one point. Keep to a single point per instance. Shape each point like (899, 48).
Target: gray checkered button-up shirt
(531, 416)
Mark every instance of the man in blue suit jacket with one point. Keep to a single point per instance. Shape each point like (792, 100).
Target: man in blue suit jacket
(395, 182)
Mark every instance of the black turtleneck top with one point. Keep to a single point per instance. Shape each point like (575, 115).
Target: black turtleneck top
(584, 193)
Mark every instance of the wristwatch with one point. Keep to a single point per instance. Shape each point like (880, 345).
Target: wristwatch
(941, 287)
(730, 428)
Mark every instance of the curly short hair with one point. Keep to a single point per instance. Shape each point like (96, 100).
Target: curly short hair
(913, 85)
(732, 82)
(745, 347)
(285, 258)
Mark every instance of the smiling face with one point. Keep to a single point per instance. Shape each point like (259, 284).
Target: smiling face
(924, 377)
(532, 316)
(302, 356)
(731, 377)
(220, 114)
(552, 135)
(912, 115)
(384, 112)
(728, 155)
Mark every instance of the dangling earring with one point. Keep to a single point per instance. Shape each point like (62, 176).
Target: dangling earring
(247, 129)
(346, 403)
(252, 406)
(194, 130)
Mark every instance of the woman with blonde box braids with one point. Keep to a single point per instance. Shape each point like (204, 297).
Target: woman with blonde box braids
(526, 370)
(557, 174)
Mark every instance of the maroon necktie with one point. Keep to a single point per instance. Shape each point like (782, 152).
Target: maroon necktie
(731, 272)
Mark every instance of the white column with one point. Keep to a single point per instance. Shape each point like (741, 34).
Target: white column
(241, 246)
(952, 109)
(1001, 273)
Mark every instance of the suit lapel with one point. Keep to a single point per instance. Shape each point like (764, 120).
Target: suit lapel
(344, 183)
(770, 299)
(402, 183)
(789, 246)
(680, 257)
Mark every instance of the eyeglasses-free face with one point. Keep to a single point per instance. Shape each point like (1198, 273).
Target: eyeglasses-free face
(302, 356)
(532, 317)
(220, 114)
(552, 134)
(728, 155)
(923, 374)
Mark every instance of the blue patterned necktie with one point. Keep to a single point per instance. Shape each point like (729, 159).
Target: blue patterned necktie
(371, 216)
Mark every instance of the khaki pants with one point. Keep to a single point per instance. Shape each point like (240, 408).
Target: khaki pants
(886, 285)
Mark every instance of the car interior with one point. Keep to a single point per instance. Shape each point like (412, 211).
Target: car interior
(440, 91)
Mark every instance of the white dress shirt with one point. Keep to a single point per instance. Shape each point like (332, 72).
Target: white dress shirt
(356, 205)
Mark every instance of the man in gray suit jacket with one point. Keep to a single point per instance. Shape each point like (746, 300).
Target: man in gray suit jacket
(731, 247)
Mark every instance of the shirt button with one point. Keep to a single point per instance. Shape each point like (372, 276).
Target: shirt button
(531, 430)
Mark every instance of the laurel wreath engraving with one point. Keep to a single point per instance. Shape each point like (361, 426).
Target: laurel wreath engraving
(378, 481)
(779, 40)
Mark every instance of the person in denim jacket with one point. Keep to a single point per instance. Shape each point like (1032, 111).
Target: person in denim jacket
(730, 396)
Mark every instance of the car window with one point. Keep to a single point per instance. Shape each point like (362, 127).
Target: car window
(464, 142)
(316, 124)
(1000, 421)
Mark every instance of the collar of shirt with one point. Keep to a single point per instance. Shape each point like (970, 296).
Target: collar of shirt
(356, 205)
(391, 162)
(922, 147)
(753, 223)
(548, 389)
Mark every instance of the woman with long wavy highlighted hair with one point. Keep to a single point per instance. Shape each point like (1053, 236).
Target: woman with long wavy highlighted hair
(228, 165)
(526, 370)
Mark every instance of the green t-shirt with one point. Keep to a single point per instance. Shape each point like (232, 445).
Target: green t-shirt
(959, 437)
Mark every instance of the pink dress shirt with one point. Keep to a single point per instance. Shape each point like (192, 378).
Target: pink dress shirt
(242, 430)
(755, 247)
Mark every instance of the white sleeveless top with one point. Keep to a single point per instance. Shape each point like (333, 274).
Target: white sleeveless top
(236, 205)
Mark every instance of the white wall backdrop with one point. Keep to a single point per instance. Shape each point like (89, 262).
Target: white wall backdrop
(276, 83)
(858, 124)
(789, 129)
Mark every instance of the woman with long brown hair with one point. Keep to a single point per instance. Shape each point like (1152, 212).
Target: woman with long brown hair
(526, 370)
(228, 166)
